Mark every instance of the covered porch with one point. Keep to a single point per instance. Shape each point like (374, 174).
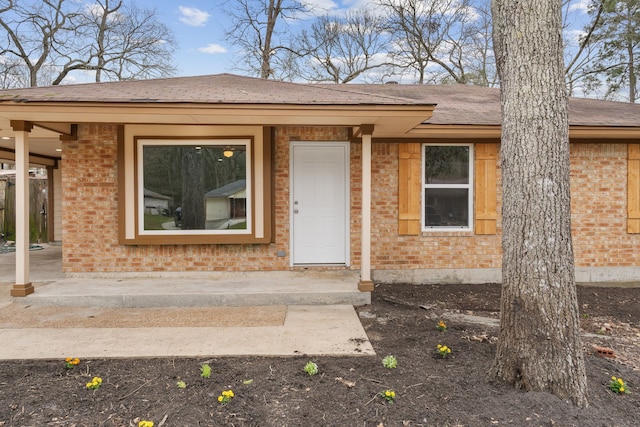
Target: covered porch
(206, 289)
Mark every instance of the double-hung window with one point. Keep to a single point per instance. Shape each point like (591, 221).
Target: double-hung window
(447, 202)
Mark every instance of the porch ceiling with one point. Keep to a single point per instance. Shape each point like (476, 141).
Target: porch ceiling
(43, 143)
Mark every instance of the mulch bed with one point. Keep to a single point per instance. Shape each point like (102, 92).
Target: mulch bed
(429, 390)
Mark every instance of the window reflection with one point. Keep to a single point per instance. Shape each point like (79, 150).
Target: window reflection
(194, 186)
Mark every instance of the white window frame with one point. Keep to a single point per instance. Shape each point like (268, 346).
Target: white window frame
(142, 142)
(469, 186)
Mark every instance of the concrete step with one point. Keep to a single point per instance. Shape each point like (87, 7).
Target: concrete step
(223, 289)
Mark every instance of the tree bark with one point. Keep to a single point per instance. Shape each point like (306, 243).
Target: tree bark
(539, 346)
(193, 213)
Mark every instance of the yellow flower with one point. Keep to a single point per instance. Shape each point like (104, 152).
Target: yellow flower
(621, 389)
(220, 398)
(620, 381)
(145, 424)
(613, 378)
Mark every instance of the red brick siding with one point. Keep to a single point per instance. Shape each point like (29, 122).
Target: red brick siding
(599, 207)
(429, 250)
(90, 218)
(90, 215)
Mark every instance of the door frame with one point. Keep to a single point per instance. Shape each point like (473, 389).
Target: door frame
(347, 201)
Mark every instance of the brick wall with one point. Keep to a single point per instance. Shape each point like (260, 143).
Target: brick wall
(443, 250)
(599, 207)
(90, 215)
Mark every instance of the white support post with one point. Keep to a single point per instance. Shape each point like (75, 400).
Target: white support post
(366, 285)
(22, 286)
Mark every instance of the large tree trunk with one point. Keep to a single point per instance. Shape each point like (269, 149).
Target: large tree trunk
(539, 346)
(193, 213)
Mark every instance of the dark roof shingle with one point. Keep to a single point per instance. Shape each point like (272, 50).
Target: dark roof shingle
(455, 104)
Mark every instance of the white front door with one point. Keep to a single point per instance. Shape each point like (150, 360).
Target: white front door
(319, 203)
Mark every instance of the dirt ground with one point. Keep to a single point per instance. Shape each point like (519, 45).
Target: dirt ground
(401, 321)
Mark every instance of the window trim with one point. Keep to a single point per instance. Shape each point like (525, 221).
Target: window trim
(469, 186)
(262, 204)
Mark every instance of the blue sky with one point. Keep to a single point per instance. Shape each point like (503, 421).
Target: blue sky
(199, 26)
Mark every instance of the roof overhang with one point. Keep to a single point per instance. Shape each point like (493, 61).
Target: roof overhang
(576, 132)
(52, 119)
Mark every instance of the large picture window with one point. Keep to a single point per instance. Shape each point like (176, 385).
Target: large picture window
(447, 188)
(194, 187)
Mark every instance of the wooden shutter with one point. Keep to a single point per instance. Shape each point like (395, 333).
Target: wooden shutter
(633, 188)
(409, 188)
(486, 161)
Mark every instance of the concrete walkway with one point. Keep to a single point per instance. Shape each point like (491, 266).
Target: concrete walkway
(321, 328)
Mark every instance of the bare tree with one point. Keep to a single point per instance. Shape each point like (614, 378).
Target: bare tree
(259, 30)
(341, 49)
(580, 51)
(52, 38)
(33, 31)
(11, 73)
(127, 42)
(539, 346)
(441, 40)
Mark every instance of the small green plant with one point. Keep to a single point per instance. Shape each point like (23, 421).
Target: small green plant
(441, 326)
(145, 423)
(225, 396)
(389, 395)
(205, 371)
(311, 368)
(390, 362)
(617, 385)
(95, 383)
(181, 384)
(443, 350)
(71, 362)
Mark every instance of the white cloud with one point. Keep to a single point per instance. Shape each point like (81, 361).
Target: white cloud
(579, 5)
(193, 17)
(574, 36)
(212, 48)
(320, 7)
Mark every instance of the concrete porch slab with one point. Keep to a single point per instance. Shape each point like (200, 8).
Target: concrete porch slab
(320, 318)
(181, 289)
(308, 330)
(230, 290)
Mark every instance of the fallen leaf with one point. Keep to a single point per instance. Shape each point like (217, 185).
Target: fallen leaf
(349, 384)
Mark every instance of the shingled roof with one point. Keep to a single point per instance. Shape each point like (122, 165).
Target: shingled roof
(478, 105)
(227, 190)
(455, 104)
(211, 89)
